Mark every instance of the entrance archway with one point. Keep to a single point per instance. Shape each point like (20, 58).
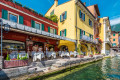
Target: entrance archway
(84, 49)
(62, 47)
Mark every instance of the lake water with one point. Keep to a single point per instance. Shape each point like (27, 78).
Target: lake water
(106, 69)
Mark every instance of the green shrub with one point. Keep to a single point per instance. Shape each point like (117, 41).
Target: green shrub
(8, 57)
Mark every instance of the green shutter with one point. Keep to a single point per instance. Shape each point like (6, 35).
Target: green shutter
(65, 14)
(84, 32)
(65, 32)
(32, 23)
(80, 32)
(4, 14)
(60, 18)
(113, 39)
(89, 21)
(80, 14)
(42, 27)
(48, 29)
(20, 19)
(60, 33)
(55, 31)
(84, 17)
(113, 34)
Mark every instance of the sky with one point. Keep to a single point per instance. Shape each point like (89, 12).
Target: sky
(109, 8)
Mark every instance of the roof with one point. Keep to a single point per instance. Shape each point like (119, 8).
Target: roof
(97, 9)
(80, 2)
(25, 9)
(86, 8)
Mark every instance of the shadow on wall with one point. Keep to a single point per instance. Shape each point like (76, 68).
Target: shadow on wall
(3, 75)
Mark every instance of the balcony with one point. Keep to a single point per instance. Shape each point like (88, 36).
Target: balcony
(88, 39)
(33, 30)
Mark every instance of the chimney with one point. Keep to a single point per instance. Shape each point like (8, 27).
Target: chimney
(84, 3)
(56, 2)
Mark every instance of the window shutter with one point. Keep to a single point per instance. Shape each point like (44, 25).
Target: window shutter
(80, 32)
(55, 31)
(89, 21)
(60, 18)
(80, 14)
(84, 32)
(65, 32)
(42, 27)
(48, 29)
(21, 19)
(65, 14)
(4, 14)
(84, 17)
(32, 24)
(60, 33)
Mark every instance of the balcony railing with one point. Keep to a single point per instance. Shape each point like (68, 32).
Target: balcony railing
(88, 39)
(33, 30)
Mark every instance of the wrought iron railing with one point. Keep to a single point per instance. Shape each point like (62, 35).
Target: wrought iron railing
(88, 39)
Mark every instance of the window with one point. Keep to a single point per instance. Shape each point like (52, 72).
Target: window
(91, 36)
(113, 34)
(82, 15)
(113, 39)
(52, 13)
(114, 44)
(81, 33)
(90, 22)
(38, 26)
(63, 16)
(13, 18)
(52, 30)
(63, 33)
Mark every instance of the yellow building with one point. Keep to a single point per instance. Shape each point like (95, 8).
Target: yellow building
(75, 22)
(105, 33)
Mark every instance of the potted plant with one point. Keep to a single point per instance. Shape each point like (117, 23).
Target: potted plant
(91, 55)
(79, 52)
(97, 53)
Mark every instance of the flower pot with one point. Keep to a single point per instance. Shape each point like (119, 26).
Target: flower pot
(15, 63)
(80, 56)
(90, 55)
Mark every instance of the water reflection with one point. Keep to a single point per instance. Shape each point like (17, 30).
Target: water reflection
(107, 69)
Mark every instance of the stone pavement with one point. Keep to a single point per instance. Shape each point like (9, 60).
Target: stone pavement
(43, 66)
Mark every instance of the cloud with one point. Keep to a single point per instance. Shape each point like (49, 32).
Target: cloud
(115, 21)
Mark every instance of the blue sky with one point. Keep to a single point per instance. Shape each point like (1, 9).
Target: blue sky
(110, 8)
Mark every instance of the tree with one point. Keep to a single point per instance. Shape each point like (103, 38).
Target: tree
(54, 18)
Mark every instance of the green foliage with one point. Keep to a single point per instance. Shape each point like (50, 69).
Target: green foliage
(91, 53)
(8, 57)
(54, 18)
(24, 58)
(18, 57)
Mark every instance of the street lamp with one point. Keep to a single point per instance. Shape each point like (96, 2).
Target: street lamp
(1, 22)
(6, 28)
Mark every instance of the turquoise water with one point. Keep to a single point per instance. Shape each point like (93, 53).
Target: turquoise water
(106, 69)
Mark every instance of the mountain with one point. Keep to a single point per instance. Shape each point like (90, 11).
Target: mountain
(116, 27)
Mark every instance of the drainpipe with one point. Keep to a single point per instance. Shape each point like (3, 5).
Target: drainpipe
(76, 30)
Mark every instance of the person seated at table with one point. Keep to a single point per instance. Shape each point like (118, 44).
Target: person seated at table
(66, 49)
(40, 49)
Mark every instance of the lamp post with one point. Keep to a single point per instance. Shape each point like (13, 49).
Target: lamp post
(1, 22)
(6, 28)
